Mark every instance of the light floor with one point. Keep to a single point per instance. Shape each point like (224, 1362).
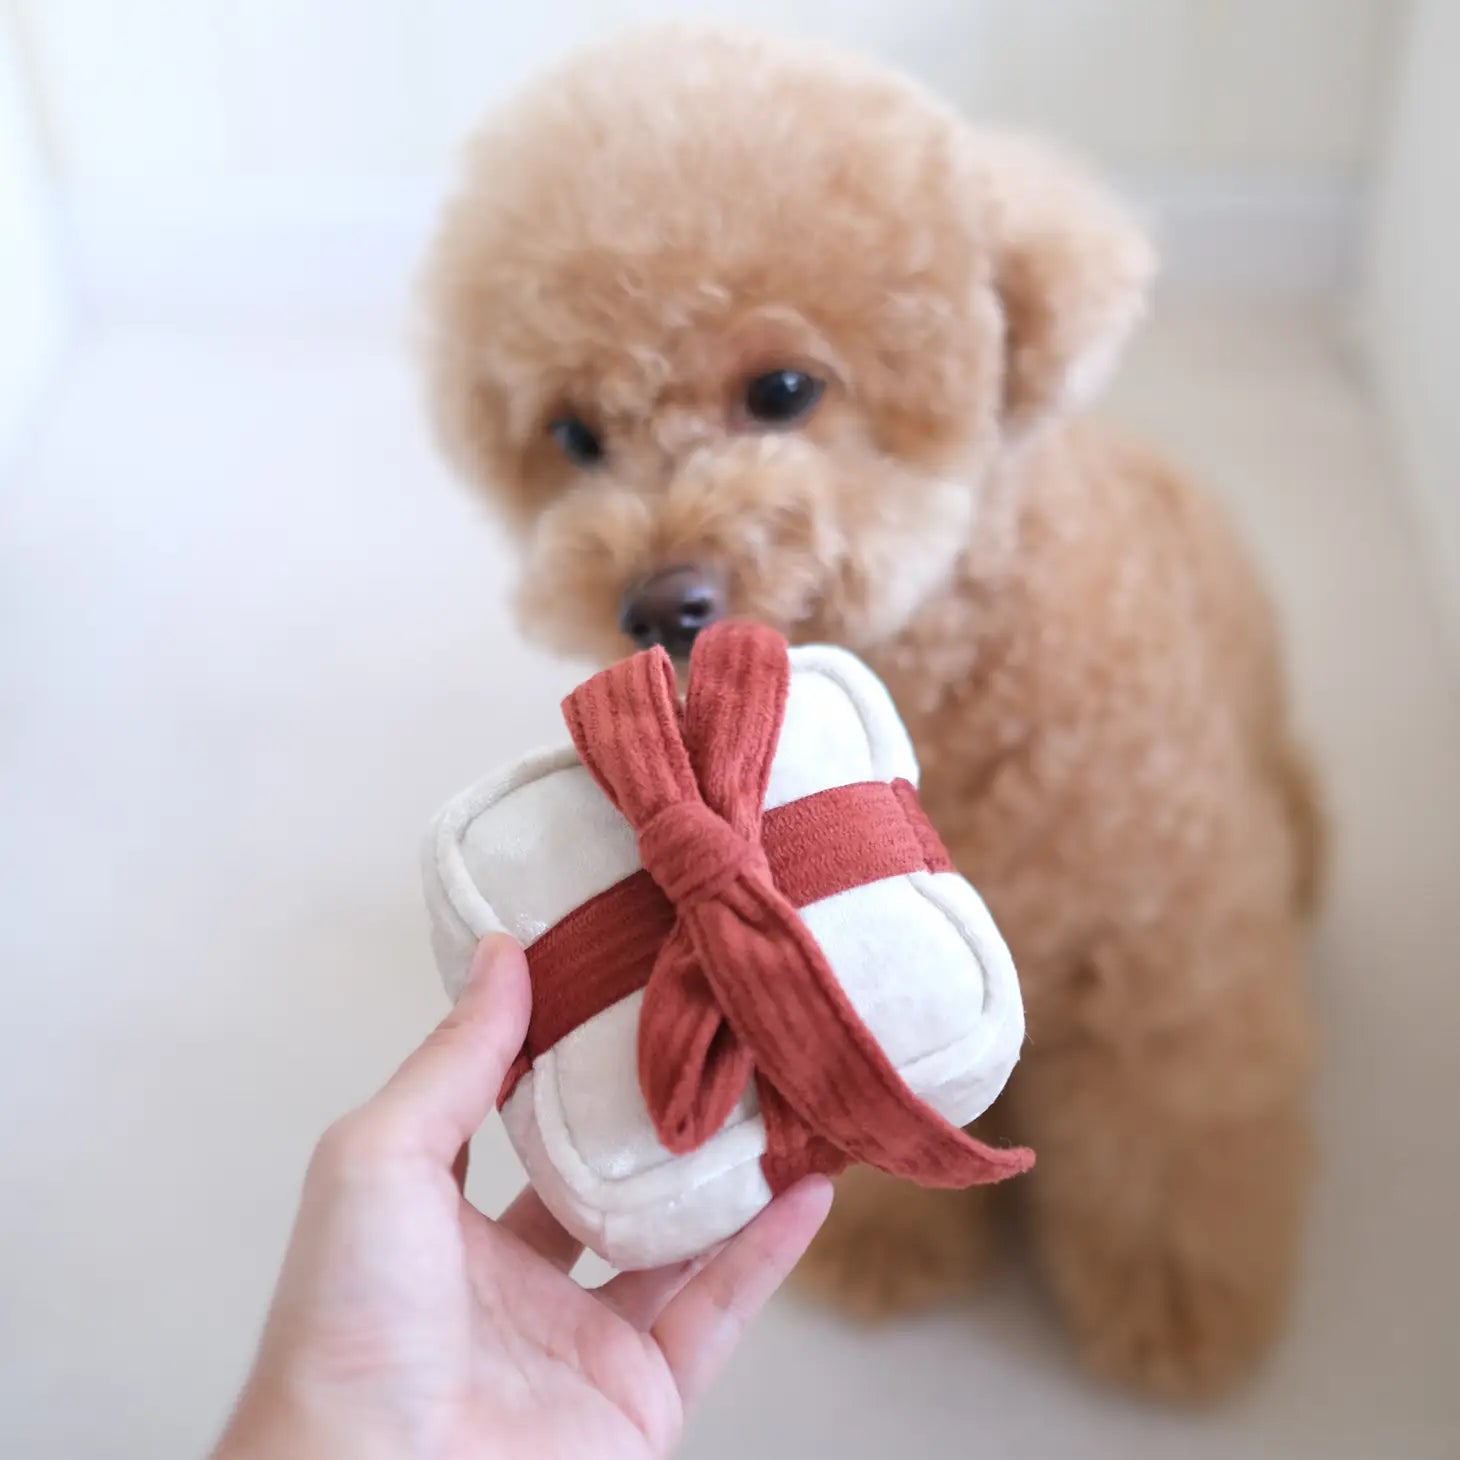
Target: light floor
(250, 636)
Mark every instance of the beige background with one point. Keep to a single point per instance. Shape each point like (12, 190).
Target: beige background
(252, 636)
(155, 91)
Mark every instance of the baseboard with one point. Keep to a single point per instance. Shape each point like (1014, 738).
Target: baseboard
(347, 250)
(1296, 236)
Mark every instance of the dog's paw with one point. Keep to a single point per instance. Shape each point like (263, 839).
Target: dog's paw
(889, 1247)
(1166, 1323)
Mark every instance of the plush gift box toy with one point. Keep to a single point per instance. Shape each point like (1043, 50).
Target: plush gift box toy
(751, 957)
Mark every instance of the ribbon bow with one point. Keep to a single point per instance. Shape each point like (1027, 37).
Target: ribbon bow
(740, 989)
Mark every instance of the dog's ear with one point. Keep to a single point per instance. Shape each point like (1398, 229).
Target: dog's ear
(1071, 269)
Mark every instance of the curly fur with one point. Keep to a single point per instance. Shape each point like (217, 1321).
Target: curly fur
(1083, 656)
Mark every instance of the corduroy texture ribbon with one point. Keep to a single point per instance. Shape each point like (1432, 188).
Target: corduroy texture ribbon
(604, 950)
(740, 989)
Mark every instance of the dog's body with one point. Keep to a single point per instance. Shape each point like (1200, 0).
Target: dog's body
(1100, 719)
(1084, 659)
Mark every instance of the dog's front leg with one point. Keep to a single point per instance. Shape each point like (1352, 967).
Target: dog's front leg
(890, 1247)
(1173, 1157)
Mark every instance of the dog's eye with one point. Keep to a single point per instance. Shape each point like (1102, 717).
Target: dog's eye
(781, 397)
(576, 441)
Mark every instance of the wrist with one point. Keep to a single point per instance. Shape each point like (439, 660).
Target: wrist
(271, 1423)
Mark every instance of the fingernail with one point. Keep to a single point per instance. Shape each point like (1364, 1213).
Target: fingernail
(814, 1190)
(492, 949)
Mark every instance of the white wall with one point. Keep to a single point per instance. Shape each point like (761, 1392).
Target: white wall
(197, 134)
(32, 293)
(1414, 302)
(157, 89)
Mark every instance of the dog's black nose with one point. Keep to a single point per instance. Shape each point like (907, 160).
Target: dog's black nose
(672, 607)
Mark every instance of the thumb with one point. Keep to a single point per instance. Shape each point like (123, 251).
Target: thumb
(446, 1088)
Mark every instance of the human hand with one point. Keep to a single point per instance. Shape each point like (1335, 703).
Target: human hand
(405, 1323)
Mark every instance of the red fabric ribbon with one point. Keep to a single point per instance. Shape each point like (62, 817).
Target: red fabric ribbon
(739, 988)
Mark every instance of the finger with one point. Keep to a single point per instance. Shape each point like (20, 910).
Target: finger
(460, 1165)
(528, 1220)
(444, 1090)
(640, 1297)
(699, 1329)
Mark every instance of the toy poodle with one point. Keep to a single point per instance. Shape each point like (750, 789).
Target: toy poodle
(731, 325)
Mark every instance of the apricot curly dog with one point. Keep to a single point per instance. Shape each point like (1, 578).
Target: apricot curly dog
(728, 324)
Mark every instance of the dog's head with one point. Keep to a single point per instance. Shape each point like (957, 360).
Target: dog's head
(732, 325)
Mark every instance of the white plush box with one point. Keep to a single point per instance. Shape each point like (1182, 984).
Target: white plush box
(917, 956)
